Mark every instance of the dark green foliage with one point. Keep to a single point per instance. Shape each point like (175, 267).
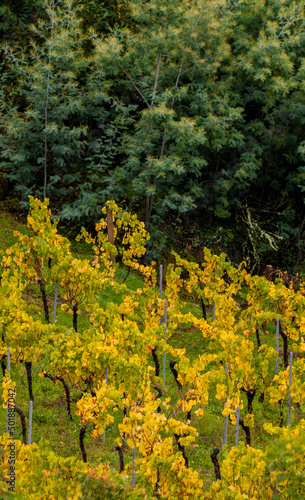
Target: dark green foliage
(42, 114)
(190, 107)
(15, 17)
(104, 15)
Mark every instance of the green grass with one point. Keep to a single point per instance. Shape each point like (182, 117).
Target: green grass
(8, 224)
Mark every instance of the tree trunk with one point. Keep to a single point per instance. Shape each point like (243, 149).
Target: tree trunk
(246, 429)
(182, 449)
(258, 338)
(28, 366)
(156, 361)
(42, 287)
(216, 463)
(75, 308)
(250, 397)
(204, 311)
(119, 449)
(67, 390)
(175, 373)
(157, 485)
(82, 433)
(160, 392)
(285, 349)
(23, 424)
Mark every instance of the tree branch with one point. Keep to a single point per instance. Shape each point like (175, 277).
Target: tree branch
(135, 86)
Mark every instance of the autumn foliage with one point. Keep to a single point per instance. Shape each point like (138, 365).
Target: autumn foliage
(120, 342)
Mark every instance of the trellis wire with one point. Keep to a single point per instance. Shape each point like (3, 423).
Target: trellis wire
(8, 367)
(30, 423)
(237, 427)
(226, 418)
(55, 302)
(106, 378)
(277, 346)
(164, 354)
(133, 477)
(289, 395)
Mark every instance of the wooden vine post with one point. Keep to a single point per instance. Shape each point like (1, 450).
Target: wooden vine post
(110, 231)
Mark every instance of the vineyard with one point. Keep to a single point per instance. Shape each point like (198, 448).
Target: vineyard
(140, 382)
